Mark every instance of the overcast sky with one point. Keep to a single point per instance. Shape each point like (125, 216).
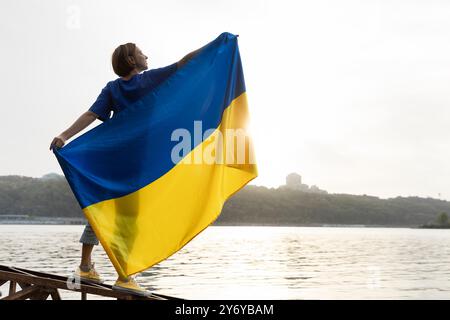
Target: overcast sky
(353, 95)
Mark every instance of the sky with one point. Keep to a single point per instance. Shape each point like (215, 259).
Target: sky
(352, 95)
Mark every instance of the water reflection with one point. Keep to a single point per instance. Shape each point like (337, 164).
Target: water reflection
(263, 262)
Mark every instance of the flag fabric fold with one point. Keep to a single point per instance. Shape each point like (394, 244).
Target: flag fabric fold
(144, 178)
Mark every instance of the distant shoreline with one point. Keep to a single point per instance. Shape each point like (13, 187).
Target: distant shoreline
(81, 221)
(49, 200)
(44, 221)
(434, 227)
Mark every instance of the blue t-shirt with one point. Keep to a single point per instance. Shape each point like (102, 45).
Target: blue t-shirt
(119, 94)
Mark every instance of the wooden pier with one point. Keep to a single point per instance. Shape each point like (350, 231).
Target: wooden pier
(40, 286)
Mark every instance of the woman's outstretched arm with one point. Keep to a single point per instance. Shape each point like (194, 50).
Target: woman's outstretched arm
(82, 122)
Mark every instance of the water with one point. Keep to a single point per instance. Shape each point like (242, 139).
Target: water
(262, 262)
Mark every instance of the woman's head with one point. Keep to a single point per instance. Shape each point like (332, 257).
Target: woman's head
(128, 57)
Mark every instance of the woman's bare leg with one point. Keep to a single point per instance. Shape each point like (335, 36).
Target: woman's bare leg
(86, 252)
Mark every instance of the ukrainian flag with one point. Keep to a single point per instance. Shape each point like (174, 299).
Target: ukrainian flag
(144, 178)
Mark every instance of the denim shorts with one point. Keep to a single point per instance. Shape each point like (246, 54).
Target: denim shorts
(88, 236)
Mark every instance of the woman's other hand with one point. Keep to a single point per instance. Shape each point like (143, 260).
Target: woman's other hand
(58, 142)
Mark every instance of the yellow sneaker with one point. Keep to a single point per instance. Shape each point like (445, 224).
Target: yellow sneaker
(130, 285)
(90, 276)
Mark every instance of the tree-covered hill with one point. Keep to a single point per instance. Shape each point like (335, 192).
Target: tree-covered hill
(50, 196)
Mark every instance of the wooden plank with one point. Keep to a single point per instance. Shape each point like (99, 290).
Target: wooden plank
(12, 287)
(88, 288)
(53, 282)
(23, 294)
(24, 285)
(83, 296)
(164, 297)
(41, 294)
(126, 298)
(55, 294)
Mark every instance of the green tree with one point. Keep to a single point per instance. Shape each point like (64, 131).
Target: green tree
(443, 219)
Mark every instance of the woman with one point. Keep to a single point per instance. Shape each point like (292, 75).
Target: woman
(128, 62)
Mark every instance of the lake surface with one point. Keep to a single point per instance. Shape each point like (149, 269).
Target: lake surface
(262, 262)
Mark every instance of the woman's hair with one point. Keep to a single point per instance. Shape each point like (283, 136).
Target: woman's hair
(121, 62)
